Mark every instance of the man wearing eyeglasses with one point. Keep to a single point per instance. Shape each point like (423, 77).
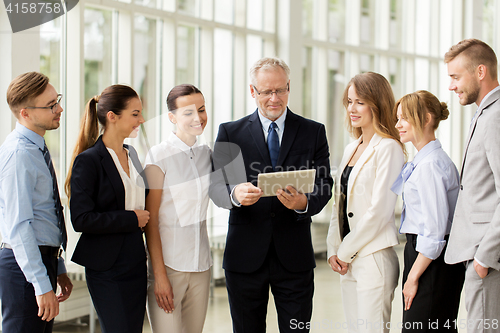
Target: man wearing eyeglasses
(268, 243)
(31, 219)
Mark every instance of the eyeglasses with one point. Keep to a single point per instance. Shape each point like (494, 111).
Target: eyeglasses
(52, 108)
(269, 93)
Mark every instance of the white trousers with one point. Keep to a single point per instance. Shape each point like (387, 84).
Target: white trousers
(191, 292)
(368, 291)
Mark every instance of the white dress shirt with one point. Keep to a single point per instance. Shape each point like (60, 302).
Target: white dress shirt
(135, 197)
(184, 203)
(430, 195)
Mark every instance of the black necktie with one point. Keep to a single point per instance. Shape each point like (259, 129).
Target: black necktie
(57, 199)
(273, 143)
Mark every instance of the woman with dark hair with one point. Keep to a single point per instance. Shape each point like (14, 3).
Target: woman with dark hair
(362, 231)
(107, 199)
(178, 171)
(430, 183)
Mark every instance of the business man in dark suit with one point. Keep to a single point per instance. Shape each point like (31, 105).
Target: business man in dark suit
(269, 239)
(475, 232)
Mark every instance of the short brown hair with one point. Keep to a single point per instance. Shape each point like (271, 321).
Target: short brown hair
(180, 91)
(476, 52)
(24, 89)
(415, 106)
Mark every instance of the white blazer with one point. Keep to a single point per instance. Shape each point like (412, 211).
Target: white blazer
(370, 201)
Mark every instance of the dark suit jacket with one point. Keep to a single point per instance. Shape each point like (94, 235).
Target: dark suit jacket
(97, 208)
(252, 228)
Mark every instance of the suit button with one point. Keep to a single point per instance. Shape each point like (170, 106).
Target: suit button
(462, 187)
(350, 214)
(273, 215)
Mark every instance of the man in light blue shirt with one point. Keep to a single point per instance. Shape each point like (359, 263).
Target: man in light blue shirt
(31, 220)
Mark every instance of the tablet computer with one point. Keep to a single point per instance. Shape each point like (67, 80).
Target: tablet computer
(301, 180)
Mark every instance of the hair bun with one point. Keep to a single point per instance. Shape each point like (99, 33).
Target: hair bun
(444, 111)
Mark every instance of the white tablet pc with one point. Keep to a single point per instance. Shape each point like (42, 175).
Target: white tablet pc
(301, 180)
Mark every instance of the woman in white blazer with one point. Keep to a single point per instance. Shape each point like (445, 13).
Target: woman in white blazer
(362, 231)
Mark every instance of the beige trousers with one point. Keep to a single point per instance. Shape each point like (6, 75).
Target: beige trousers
(191, 292)
(368, 291)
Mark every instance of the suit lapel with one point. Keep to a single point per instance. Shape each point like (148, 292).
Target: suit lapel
(257, 134)
(350, 149)
(362, 161)
(491, 99)
(110, 169)
(291, 129)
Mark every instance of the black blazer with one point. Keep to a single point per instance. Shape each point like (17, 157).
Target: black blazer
(252, 228)
(97, 208)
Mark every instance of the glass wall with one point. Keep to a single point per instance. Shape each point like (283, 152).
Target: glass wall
(98, 44)
(154, 44)
(51, 54)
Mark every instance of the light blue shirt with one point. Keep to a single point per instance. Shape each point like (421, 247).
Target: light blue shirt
(430, 196)
(280, 123)
(27, 208)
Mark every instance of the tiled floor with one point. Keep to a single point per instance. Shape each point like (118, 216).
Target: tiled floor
(327, 313)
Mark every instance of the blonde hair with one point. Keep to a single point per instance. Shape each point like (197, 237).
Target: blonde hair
(376, 92)
(24, 89)
(415, 106)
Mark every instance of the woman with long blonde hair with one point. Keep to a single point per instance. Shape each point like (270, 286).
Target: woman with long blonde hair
(362, 231)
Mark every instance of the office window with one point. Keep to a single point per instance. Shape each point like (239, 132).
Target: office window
(366, 63)
(269, 13)
(307, 77)
(223, 78)
(336, 20)
(394, 26)
(336, 111)
(254, 53)
(255, 17)
(307, 18)
(367, 22)
(188, 7)
(224, 11)
(145, 63)
(394, 76)
(97, 51)
(423, 28)
(186, 54)
(144, 78)
(50, 65)
(422, 68)
(147, 3)
(490, 12)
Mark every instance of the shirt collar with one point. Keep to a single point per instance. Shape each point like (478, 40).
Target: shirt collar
(492, 91)
(426, 150)
(280, 122)
(178, 143)
(30, 135)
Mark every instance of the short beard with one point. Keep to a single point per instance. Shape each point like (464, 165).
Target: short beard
(472, 95)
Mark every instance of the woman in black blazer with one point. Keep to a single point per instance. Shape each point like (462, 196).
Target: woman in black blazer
(107, 206)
